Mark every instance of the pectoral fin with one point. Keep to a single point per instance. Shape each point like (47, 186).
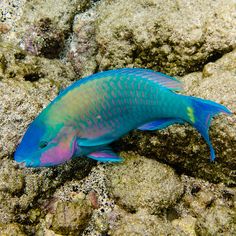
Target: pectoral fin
(160, 124)
(105, 156)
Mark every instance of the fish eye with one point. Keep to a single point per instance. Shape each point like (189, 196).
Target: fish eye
(43, 144)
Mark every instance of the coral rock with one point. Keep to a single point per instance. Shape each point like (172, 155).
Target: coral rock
(143, 183)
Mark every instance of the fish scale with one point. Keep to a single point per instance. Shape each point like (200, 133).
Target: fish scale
(126, 101)
(97, 110)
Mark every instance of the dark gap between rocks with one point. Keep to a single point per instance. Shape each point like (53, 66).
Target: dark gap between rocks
(32, 77)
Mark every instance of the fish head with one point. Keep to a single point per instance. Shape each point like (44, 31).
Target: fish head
(46, 145)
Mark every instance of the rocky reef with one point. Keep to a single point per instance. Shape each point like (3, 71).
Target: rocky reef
(166, 185)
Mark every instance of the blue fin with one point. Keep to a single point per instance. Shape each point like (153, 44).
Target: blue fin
(158, 77)
(164, 80)
(105, 156)
(203, 111)
(160, 124)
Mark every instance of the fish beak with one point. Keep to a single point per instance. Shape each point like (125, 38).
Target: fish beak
(22, 164)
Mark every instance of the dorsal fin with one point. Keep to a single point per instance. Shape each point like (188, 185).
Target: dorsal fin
(158, 77)
(166, 81)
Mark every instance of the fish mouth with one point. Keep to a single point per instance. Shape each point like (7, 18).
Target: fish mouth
(23, 163)
(28, 160)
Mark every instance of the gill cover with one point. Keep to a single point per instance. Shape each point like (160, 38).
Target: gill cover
(60, 149)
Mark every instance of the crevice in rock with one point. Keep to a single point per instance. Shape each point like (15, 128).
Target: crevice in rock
(32, 77)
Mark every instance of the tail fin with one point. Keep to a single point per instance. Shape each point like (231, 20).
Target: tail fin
(200, 116)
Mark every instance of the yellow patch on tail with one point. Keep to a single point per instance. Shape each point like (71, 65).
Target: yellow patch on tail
(190, 114)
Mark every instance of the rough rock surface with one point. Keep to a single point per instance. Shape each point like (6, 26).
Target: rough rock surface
(61, 12)
(71, 217)
(222, 218)
(143, 183)
(92, 190)
(11, 11)
(44, 38)
(142, 223)
(171, 36)
(11, 230)
(205, 208)
(39, 27)
(82, 48)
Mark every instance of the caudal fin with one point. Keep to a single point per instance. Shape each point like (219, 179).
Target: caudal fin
(200, 115)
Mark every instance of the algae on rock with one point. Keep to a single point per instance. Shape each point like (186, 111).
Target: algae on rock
(41, 27)
(218, 220)
(142, 223)
(206, 208)
(143, 183)
(71, 218)
(83, 46)
(171, 36)
(12, 229)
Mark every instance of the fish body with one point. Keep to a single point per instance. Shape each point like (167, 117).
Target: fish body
(97, 110)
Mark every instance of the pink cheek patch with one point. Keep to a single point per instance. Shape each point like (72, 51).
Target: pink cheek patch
(58, 154)
(55, 156)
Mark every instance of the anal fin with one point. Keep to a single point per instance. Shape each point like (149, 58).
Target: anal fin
(160, 124)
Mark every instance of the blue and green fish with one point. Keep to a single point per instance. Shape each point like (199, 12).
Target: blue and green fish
(99, 109)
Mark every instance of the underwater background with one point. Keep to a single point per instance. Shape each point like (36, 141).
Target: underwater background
(167, 185)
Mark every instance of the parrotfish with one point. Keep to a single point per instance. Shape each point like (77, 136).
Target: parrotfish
(95, 111)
